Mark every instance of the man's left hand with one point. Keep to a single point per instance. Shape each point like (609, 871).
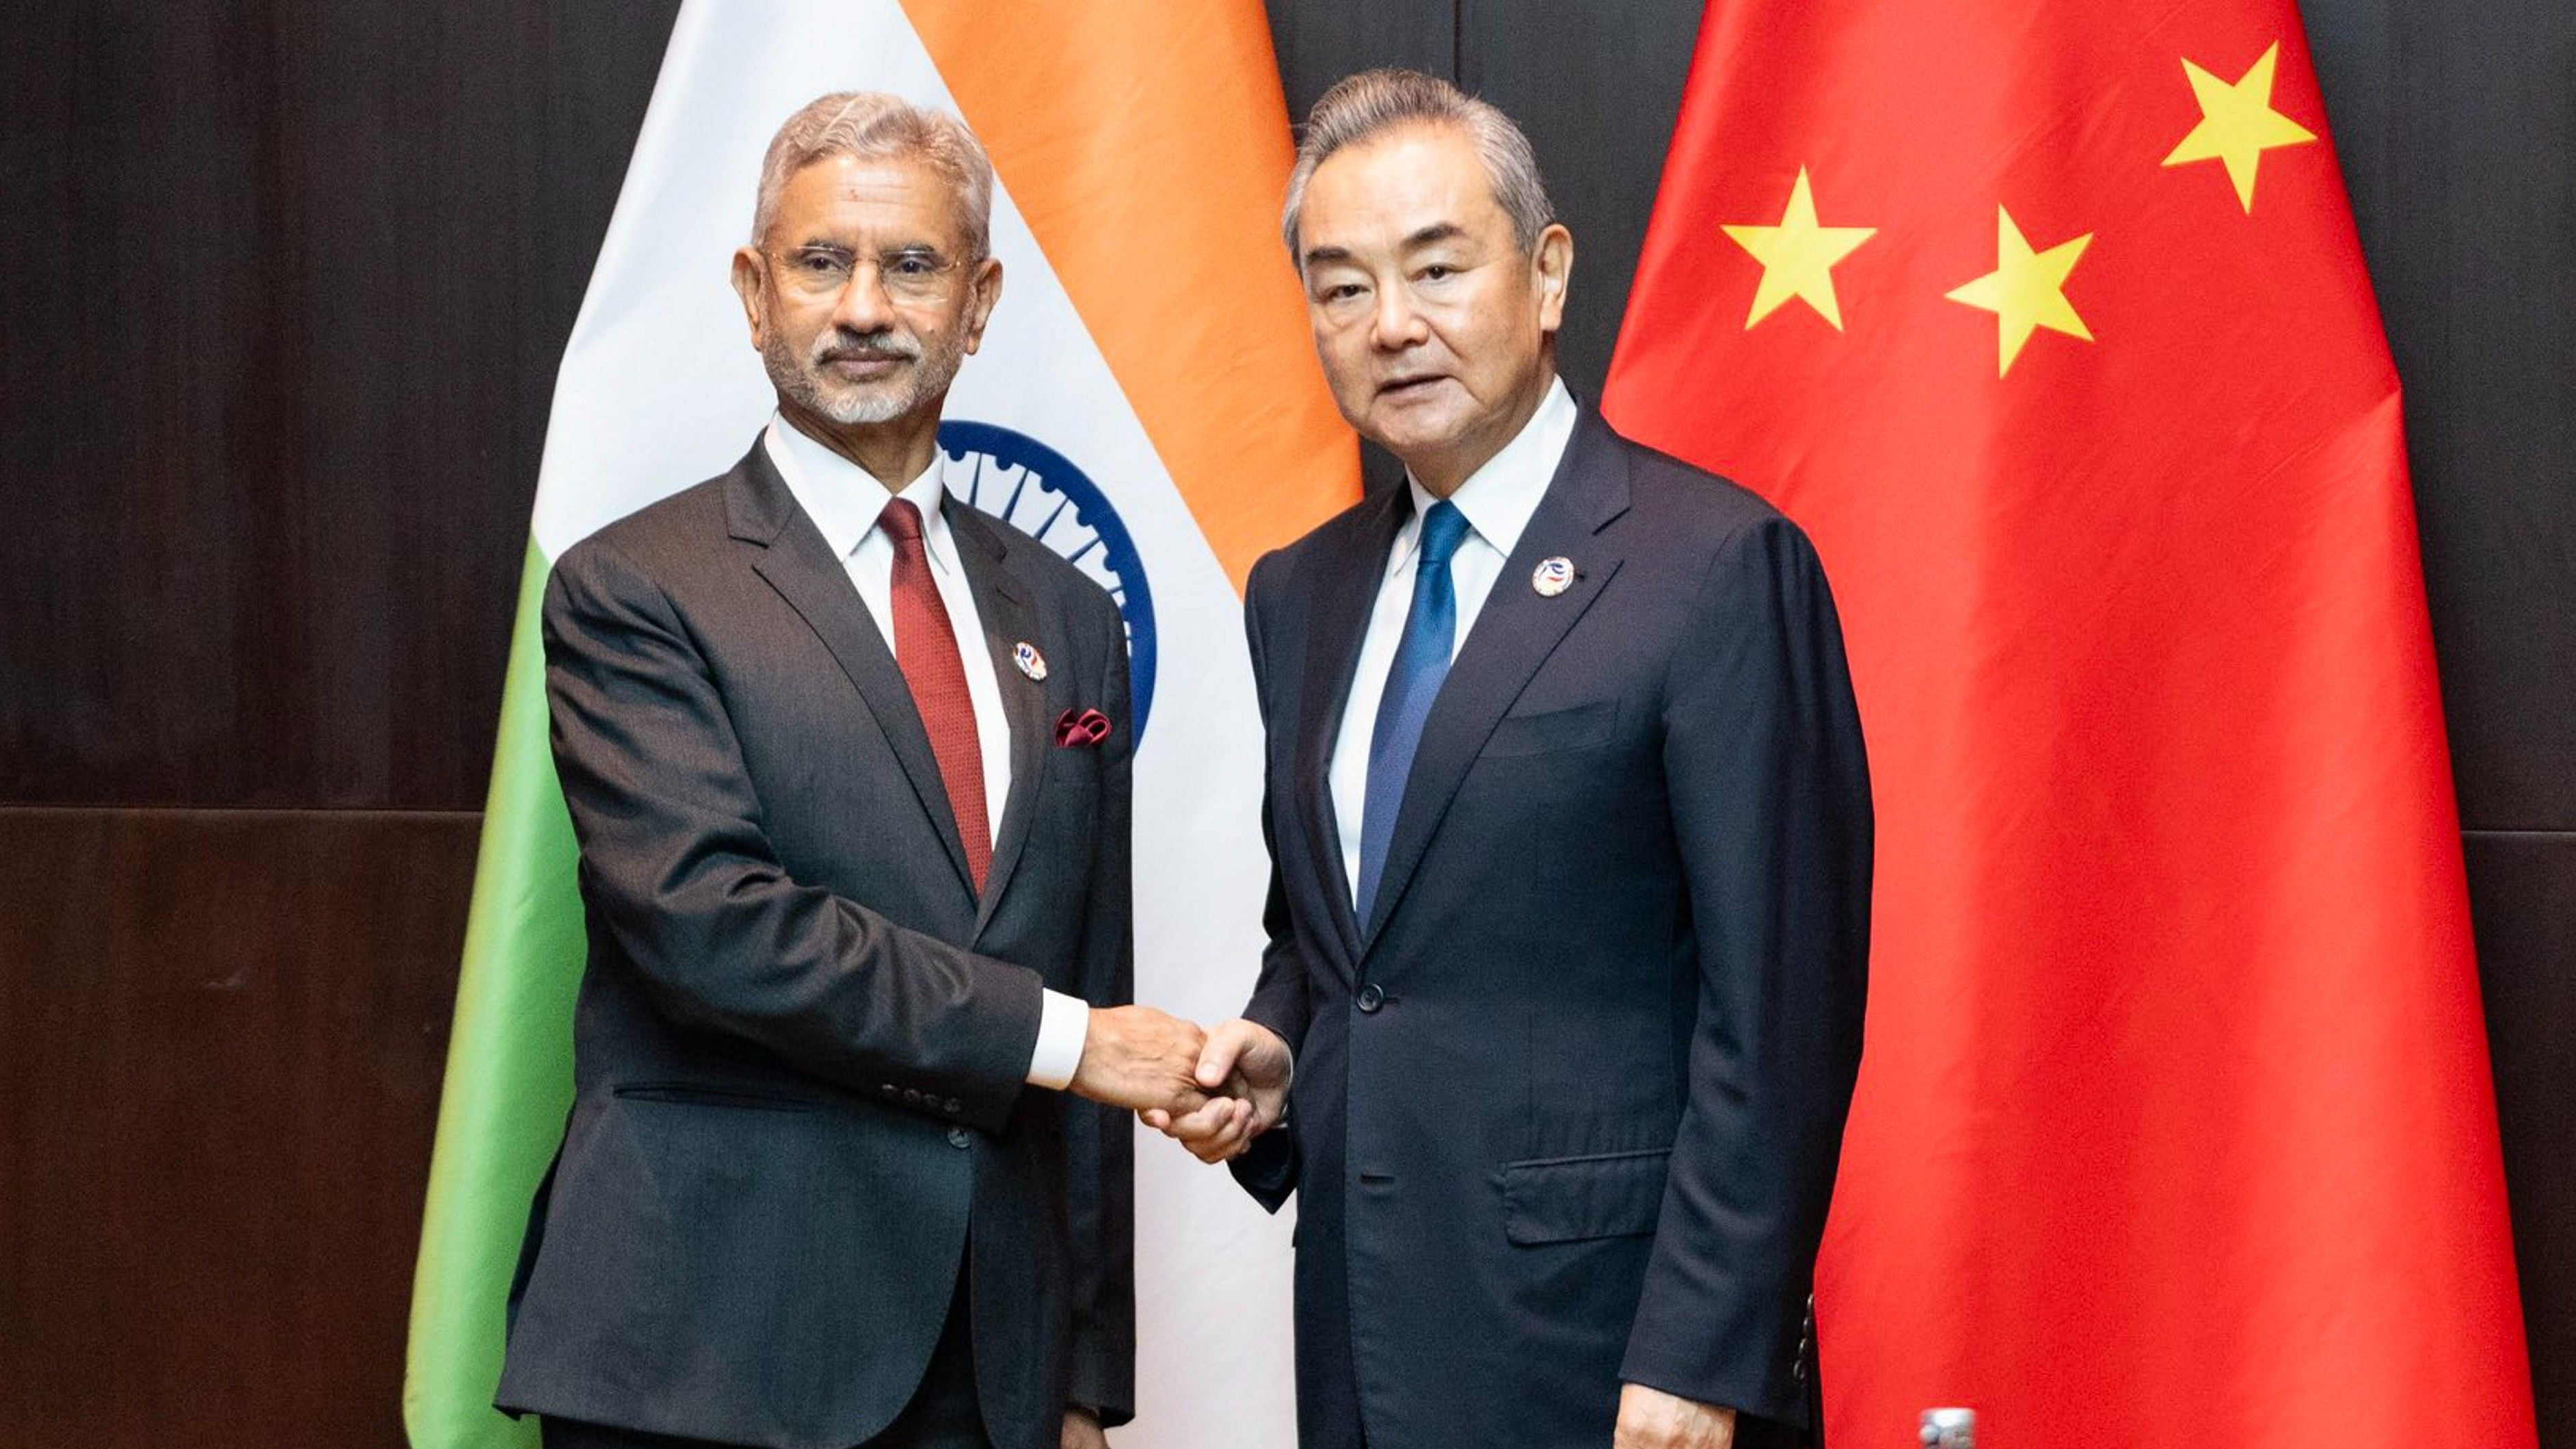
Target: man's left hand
(1082, 1430)
(1653, 1419)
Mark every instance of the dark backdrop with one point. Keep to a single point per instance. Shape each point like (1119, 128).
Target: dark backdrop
(282, 289)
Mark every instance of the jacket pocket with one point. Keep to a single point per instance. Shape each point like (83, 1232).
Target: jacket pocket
(1564, 1199)
(1081, 762)
(1556, 729)
(695, 1094)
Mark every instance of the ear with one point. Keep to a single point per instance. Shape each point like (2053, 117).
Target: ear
(750, 283)
(983, 289)
(1552, 267)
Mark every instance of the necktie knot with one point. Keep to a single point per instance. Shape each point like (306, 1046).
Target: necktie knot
(1443, 529)
(901, 522)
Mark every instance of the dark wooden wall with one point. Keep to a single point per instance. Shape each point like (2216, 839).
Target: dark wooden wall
(282, 290)
(2457, 129)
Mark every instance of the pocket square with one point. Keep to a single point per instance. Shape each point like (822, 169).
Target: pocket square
(1080, 728)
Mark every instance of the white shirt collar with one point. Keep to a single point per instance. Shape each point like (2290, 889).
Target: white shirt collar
(1500, 497)
(845, 499)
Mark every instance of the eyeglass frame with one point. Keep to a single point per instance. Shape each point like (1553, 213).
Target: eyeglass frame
(901, 287)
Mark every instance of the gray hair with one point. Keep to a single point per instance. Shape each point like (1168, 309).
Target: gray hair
(1362, 107)
(872, 126)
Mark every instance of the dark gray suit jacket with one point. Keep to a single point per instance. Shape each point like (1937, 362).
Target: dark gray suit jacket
(801, 1041)
(1567, 1108)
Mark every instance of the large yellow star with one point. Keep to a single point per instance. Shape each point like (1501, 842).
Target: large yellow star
(1798, 256)
(2026, 290)
(2237, 123)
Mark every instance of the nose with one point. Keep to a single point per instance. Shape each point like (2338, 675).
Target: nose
(863, 306)
(1394, 325)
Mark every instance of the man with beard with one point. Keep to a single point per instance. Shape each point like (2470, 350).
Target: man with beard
(854, 903)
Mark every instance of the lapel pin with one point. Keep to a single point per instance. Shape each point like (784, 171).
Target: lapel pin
(1031, 662)
(1552, 577)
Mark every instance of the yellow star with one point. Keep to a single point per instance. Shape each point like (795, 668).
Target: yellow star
(2237, 123)
(1798, 256)
(2026, 290)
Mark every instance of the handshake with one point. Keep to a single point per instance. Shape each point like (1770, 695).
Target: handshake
(1212, 1091)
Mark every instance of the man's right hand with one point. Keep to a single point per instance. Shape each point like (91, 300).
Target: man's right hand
(1140, 1059)
(1251, 1065)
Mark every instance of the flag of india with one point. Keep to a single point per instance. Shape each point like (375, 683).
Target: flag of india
(1145, 403)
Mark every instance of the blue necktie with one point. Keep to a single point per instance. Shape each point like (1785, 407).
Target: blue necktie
(1412, 683)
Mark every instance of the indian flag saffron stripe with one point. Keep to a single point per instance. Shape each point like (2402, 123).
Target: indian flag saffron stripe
(1160, 142)
(1145, 402)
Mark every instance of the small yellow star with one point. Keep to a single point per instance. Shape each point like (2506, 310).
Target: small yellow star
(1798, 256)
(2237, 123)
(2026, 290)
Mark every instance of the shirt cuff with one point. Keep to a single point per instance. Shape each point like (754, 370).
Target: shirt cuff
(1064, 1026)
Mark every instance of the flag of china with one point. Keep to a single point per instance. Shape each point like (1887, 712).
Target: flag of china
(2047, 321)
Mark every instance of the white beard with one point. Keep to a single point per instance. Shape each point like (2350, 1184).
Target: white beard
(850, 404)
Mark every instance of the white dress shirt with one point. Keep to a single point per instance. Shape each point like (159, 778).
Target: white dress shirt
(844, 500)
(1498, 500)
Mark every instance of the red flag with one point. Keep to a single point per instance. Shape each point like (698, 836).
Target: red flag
(2048, 322)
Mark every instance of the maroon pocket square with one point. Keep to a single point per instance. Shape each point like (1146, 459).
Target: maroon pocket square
(1080, 728)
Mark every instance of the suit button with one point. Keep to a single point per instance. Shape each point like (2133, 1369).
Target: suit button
(954, 1106)
(960, 1137)
(912, 1096)
(1371, 998)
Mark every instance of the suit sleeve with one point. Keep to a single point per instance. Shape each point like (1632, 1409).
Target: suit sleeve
(1100, 1142)
(1770, 799)
(1268, 1169)
(676, 868)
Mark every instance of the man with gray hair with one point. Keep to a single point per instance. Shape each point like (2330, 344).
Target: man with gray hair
(1569, 829)
(857, 903)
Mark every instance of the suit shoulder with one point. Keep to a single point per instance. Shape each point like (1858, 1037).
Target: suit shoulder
(1058, 583)
(1278, 567)
(657, 535)
(638, 570)
(1669, 487)
(1692, 514)
(1270, 572)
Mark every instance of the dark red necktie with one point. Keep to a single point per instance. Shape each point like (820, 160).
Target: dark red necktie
(925, 645)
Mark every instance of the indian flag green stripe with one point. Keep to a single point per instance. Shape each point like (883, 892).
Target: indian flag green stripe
(509, 1069)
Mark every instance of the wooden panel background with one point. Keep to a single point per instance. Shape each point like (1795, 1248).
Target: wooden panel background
(225, 1031)
(282, 291)
(285, 287)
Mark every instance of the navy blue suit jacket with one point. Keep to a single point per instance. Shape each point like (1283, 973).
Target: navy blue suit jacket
(1567, 1107)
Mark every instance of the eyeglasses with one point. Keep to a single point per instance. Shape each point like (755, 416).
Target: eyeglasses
(908, 274)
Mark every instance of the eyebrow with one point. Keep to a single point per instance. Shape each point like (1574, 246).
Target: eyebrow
(1438, 231)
